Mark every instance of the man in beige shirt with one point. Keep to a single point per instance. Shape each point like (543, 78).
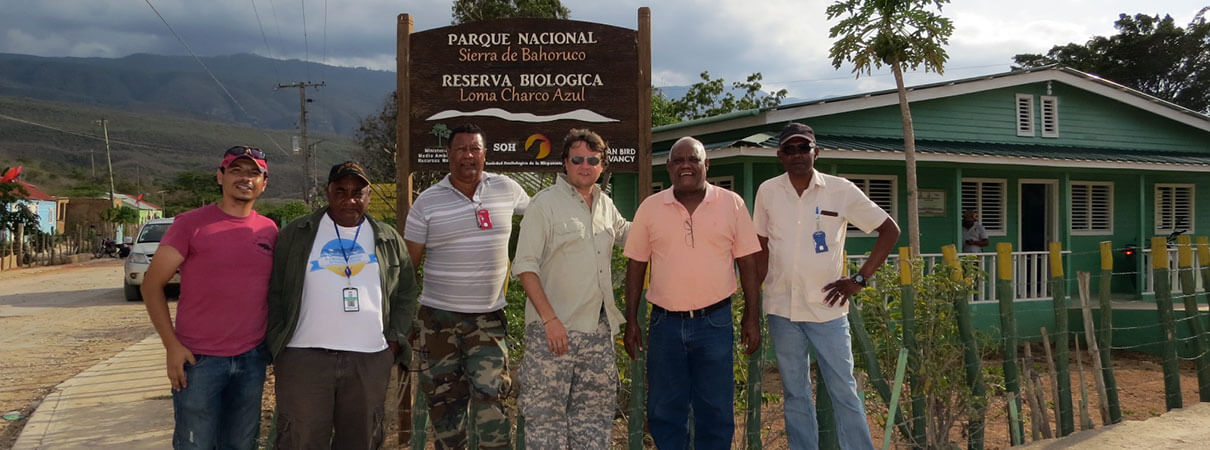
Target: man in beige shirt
(568, 378)
(801, 219)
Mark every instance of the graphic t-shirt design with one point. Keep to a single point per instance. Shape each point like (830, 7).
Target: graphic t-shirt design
(331, 257)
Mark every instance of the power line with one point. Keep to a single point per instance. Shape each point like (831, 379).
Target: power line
(306, 47)
(90, 136)
(277, 25)
(268, 49)
(212, 77)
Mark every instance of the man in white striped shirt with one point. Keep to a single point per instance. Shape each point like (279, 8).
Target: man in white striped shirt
(463, 224)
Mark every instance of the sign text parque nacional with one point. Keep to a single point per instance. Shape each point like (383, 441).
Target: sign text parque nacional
(526, 82)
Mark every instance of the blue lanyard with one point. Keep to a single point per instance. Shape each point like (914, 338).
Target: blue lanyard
(341, 244)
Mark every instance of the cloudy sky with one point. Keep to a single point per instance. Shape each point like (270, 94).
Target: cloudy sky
(786, 40)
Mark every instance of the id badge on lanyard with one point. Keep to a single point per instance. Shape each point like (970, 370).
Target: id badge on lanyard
(821, 238)
(351, 298)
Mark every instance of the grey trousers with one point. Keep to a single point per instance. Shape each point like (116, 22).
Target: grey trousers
(331, 399)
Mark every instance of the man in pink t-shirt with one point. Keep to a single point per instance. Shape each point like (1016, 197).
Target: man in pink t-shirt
(216, 355)
(692, 235)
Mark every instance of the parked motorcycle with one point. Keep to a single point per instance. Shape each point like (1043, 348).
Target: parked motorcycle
(108, 248)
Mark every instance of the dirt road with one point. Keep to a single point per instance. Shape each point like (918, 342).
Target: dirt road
(54, 323)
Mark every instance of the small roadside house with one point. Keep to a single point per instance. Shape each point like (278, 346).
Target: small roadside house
(50, 210)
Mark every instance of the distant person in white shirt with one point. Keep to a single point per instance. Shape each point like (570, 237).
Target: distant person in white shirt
(974, 237)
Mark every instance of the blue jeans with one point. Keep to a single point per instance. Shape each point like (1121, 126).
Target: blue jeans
(689, 364)
(833, 347)
(220, 407)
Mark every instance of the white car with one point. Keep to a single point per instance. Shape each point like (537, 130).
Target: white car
(145, 245)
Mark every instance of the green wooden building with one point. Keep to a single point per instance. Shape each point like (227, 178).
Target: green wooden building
(1049, 154)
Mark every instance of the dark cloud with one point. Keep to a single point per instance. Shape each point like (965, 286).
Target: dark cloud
(786, 40)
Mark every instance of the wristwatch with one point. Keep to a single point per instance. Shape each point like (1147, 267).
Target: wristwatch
(859, 279)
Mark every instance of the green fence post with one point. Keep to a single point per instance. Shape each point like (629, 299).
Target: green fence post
(1008, 330)
(520, 441)
(755, 374)
(420, 420)
(873, 369)
(1058, 290)
(1105, 333)
(907, 307)
(1203, 261)
(824, 414)
(893, 403)
(1197, 328)
(966, 332)
(638, 386)
(1163, 300)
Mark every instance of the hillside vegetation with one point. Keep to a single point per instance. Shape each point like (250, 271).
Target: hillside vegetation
(55, 141)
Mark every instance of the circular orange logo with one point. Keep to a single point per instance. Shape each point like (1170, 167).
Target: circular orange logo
(543, 145)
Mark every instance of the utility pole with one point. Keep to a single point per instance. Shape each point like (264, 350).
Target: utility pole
(309, 182)
(109, 161)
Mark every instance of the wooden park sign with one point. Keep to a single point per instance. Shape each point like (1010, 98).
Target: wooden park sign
(526, 82)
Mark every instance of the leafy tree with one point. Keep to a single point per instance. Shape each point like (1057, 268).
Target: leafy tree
(900, 34)
(190, 189)
(1149, 53)
(663, 112)
(710, 97)
(376, 136)
(12, 212)
(283, 213)
(121, 215)
(476, 10)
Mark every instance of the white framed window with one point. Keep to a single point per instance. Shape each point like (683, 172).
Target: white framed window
(1050, 116)
(657, 186)
(881, 189)
(727, 182)
(986, 197)
(1173, 208)
(1091, 208)
(1025, 115)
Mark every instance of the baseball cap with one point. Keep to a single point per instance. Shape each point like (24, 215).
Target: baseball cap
(244, 151)
(345, 169)
(795, 129)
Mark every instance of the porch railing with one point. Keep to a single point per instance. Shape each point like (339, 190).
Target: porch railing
(1174, 273)
(1031, 273)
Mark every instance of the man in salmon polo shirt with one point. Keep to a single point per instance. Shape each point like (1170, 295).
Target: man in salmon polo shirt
(216, 353)
(692, 235)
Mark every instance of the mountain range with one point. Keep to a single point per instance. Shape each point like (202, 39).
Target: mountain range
(165, 114)
(246, 93)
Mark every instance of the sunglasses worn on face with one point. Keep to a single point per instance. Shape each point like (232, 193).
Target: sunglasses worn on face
(793, 149)
(244, 150)
(592, 160)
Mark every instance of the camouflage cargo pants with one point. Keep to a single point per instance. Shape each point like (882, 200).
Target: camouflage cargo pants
(465, 358)
(568, 401)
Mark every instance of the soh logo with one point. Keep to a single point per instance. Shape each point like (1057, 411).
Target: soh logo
(543, 145)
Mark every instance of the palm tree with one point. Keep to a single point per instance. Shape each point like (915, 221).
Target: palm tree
(899, 34)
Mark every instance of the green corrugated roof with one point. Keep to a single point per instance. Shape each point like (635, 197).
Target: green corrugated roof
(895, 145)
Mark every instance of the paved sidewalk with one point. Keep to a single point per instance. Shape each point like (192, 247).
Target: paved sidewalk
(123, 402)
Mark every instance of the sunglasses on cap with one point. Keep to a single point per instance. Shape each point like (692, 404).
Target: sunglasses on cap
(794, 149)
(592, 160)
(244, 150)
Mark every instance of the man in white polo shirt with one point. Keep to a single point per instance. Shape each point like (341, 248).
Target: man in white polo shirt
(463, 224)
(801, 217)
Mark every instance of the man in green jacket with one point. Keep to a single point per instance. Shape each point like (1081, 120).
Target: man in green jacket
(342, 299)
